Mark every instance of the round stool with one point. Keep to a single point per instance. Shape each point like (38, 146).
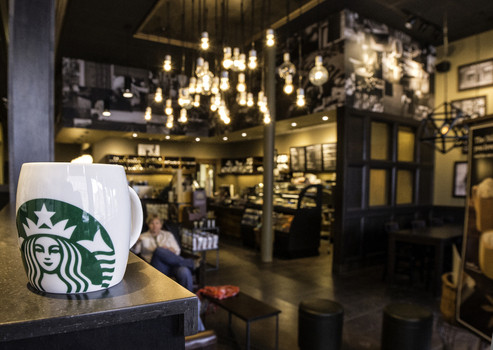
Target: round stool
(406, 327)
(320, 324)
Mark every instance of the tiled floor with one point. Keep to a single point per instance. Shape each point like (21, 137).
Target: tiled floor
(284, 283)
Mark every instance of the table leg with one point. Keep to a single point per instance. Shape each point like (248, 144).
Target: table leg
(217, 258)
(277, 332)
(248, 335)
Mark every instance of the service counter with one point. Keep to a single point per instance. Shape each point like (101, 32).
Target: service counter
(146, 310)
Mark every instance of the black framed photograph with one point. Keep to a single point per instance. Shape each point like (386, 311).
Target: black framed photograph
(313, 157)
(460, 179)
(297, 158)
(474, 107)
(475, 75)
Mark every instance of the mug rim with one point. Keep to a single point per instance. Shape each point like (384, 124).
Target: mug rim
(70, 164)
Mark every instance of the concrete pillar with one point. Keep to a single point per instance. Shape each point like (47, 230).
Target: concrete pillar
(31, 75)
(269, 137)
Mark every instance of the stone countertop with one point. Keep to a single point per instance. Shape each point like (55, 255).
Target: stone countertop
(144, 293)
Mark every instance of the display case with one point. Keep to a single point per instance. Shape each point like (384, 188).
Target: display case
(151, 164)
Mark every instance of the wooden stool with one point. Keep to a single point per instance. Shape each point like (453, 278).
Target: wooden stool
(320, 324)
(406, 327)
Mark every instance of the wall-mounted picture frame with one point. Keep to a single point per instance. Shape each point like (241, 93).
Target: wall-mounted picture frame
(297, 158)
(475, 75)
(148, 150)
(460, 180)
(474, 107)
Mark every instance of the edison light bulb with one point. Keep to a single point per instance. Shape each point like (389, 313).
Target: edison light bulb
(241, 87)
(265, 105)
(215, 85)
(252, 59)
(269, 38)
(260, 99)
(204, 41)
(158, 96)
(199, 70)
(286, 67)
(213, 105)
(250, 101)
(192, 85)
(127, 93)
(184, 99)
(300, 97)
(196, 101)
(169, 107)
(242, 100)
(242, 62)
(236, 59)
(183, 116)
(318, 75)
(224, 81)
(106, 112)
(288, 85)
(148, 114)
(167, 63)
(169, 122)
(267, 119)
(227, 61)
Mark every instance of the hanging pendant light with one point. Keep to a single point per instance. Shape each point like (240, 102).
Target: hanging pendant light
(215, 85)
(286, 68)
(169, 121)
(288, 85)
(269, 37)
(300, 97)
(106, 110)
(242, 62)
(265, 105)
(192, 85)
(252, 59)
(207, 79)
(200, 70)
(127, 93)
(227, 61)
(242, 98)
(224, 81)
(169, 107)
(267, 118)
(260, 98)
(196, 101)
(204, 41)
(318, 75)
(148, 114)
(184, 99)
(250, 101)
(241, 87)
(183, 116)
(167, 63)
(158, 96)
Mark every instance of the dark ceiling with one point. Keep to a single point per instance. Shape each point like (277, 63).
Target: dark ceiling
(109, 31)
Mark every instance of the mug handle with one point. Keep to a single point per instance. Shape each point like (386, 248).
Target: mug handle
(137, 217)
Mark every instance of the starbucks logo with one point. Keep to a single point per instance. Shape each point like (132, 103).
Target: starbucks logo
(64, 247)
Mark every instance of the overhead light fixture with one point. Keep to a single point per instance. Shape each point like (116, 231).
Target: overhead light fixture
(288, 85)
(106, 109)
(225, 138)
(192, 85)
(293, 124)
(204, 41)
(127, 93)
(158, 96)
(197, 139)
(227, 61)
(215, 85)
(325, 118)
(167, 63)
(267, 119)
(286, 68)
(134, 135)
(148, 114)
(169, 122)
(318, 75)
(300, 97)
(167, 137)
(252, 59)
(183, 116)
(243, 134)
(169, 107)
(196, 101)
(224, 86)
(242, 98)
(269, 37)
(241, 87)
(250, 101)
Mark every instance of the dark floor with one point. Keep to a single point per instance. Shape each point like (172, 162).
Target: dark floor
(284, 283)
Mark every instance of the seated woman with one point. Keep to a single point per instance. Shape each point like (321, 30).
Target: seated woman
(161, 250)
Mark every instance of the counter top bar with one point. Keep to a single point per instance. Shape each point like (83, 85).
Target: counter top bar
(145, 294)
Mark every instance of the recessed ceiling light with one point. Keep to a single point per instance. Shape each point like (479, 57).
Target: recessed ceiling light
(293, 124)
(197, 139)
(325, 118)
(225, 138)
(243, 134)
(167, 137)
(134, 134)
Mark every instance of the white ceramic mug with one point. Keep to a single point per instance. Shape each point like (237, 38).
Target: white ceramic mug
(76, 224)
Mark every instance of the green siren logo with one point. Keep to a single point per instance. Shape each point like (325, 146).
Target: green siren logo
(64, 247)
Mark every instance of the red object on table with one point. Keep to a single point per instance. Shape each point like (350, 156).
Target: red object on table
(219, 292)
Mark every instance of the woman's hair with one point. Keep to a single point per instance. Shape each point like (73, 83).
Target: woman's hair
(69, 269)
(153, 217)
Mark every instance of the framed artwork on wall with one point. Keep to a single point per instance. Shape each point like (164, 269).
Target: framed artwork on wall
(475, 75)
(460, 179)
(474, 106)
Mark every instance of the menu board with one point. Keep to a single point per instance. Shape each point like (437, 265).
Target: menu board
(475, 298)
(313, 158)
(297, 158)
(329, 156)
